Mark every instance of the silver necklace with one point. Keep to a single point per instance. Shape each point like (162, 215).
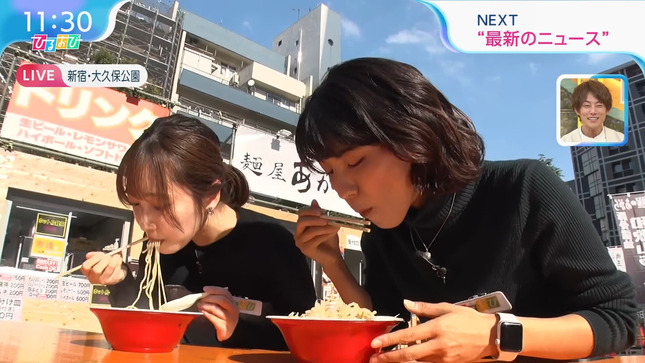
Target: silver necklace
(426, 255)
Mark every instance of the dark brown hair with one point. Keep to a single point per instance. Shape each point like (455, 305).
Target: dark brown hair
(182, 150)
(596, 88)
(371, 101)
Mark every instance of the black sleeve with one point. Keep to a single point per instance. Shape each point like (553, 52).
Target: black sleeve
(573, 258)
(291, 285)
(125, 292)
(385, 295)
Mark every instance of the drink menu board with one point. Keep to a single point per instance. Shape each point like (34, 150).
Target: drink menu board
(17, 285)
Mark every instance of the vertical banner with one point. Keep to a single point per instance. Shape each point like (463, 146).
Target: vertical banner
(629, 212)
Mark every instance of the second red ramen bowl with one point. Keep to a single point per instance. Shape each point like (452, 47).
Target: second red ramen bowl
(332, 340)
(143, 331)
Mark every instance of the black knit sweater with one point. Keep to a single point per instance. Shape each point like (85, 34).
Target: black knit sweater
(518, 229)
(258, 259)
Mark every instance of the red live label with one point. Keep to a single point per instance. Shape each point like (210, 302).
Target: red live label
(40, 75)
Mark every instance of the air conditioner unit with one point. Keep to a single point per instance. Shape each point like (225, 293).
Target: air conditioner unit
(235, 80)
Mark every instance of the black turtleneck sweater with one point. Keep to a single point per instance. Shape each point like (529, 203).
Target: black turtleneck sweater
(258, 259)
(518, 229)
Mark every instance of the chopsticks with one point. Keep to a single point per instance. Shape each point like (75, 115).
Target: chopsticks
(414, 321)
(109, 254)
(355, 223)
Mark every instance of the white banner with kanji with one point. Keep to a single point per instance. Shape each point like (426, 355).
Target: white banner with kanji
(272, 167)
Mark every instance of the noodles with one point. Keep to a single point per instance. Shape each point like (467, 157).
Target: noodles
(336, 309)
(151, 277)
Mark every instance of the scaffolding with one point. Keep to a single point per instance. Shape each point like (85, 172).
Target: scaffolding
(142, 34)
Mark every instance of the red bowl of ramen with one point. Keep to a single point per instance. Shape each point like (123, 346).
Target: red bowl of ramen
(143, 331)
(332, 340)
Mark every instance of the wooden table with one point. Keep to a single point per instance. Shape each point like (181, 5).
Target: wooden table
(22, 342)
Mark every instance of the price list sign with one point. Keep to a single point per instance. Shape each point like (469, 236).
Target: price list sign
(18, 285)
(12, 288)
(73, 290)
(44, 288)
(629, 213)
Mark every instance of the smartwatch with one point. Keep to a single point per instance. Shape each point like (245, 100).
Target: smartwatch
(509, 337)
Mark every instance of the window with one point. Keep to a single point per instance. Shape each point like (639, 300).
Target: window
(640, 111)
(599, 205)
(280, 42)
(614, 150)
(633, 70)
(627, 188)
(297, 41)
(595, 183)
(638, 89)
(68, 228)
(622, 168)
(589, 162)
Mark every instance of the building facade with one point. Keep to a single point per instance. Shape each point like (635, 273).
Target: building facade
(195, 67)
(312, 45)
(600, 171)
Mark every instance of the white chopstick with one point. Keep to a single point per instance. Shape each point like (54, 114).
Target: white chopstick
(109, 254)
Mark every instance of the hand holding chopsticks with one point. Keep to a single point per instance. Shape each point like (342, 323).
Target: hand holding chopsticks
(109, 254)
(355, 223)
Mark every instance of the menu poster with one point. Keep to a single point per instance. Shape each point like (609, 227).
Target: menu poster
(42, 288)
(11, 290)
(17, 285)
(629, 213)
(74, 290)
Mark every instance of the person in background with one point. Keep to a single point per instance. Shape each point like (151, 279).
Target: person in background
(184, 195)
(592, 101)
(448, 225)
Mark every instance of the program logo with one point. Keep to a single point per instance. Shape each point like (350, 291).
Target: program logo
(51, 44)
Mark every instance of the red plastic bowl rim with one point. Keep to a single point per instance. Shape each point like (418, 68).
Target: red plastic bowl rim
(146, 310)
(374, 319)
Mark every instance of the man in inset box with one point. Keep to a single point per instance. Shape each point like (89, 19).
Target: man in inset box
(592, 101)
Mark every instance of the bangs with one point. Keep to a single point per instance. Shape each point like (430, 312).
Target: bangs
(330, 126)
(144, 173)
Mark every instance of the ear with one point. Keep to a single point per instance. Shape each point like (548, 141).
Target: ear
(213, 201)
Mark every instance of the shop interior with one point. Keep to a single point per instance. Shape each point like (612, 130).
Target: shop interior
(89, 227)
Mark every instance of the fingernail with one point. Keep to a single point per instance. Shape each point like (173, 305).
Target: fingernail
(409, 304)
(376, 343)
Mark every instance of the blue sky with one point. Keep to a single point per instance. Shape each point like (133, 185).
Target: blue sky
(510, 97)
